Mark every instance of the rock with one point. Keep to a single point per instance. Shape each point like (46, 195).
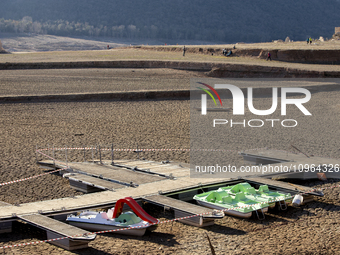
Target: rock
(287, 39)
(321, 39)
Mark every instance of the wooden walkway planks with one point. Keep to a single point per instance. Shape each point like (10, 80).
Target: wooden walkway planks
(5, 226)
(290, 157)
(294, 165)
(278, 184)
(114, 173)
(81, 181)
(4, 204)
(104, 198)
(56, 226)
(91, 177)
(166, 169)
(79, 238)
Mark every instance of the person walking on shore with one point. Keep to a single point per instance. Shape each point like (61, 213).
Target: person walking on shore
(269, 56)
(184, 50)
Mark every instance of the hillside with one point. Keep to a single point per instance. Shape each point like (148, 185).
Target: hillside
(215, 20)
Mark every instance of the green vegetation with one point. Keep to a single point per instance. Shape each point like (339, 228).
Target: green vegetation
(216, 20)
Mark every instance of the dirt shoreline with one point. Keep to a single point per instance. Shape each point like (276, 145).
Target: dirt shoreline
(310, 56)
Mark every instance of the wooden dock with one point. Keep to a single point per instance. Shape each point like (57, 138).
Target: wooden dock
(4, 204)
(299, 165)
(57, 229)
(5, 226)
(166, 169)
(114, 173)
(148, 181)
(92, 177)
(88, 184)
(114, 182)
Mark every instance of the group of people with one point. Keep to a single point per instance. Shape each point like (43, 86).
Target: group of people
(227, 53)
(309, 40)
(224, 51)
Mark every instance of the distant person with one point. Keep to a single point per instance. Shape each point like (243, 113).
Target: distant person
(184, 50)
(224, 52)
(307, 40)
(269, 56)
(108, 47)
(310, 40)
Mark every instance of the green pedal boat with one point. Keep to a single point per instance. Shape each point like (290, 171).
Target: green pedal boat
(242, 199)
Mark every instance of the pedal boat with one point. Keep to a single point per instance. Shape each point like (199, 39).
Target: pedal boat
(241, 200)
(128, 223)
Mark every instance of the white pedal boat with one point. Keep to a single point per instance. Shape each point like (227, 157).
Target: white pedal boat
(99, 221)
(128, 222)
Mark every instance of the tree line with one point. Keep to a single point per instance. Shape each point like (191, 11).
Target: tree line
(189, 32)
(66, 28)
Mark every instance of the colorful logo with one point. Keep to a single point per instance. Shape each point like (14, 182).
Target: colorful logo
(204, 97)
(213, 90)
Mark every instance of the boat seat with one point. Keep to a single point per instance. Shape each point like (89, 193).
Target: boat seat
(263, 188)
(241, 187)
(110, 214)
(212, 197)
(251, 190)
(104, 215)
(227, 199)
(240, 196)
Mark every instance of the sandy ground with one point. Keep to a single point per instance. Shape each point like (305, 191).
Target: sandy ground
(310, 229)
(159, 124)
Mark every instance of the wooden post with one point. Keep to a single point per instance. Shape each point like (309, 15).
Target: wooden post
(112, 163)
(36, 152)
(66, 154)
(100, 154)
(53, 155)
(84, 154)
(92, 154)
